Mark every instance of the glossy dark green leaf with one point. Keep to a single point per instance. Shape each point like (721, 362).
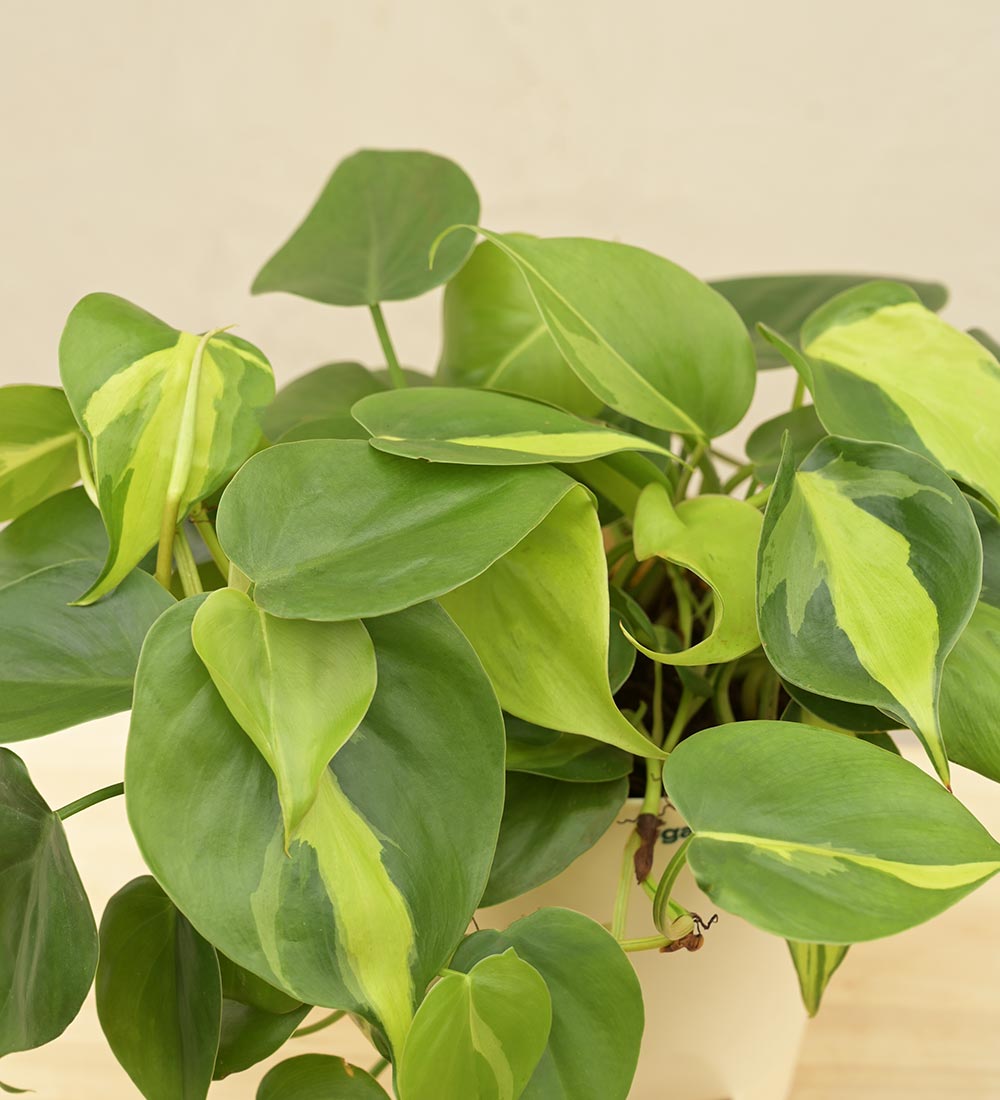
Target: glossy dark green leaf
(476, 427)
(536, 750)
(249, 1035)
(159, 994)
(869, 568)
(318, 399)
(644, 335)
(478, 1034)
(66, 527)
(332, 529)
(887, 369)
(368, 237)
(48, 939)
(970, 687)
(845, 716)
(764, 443)
(245, 987)
(38, 447)
(61, 665)
(546, 825)
(593, 1049)
(495, 338)
(538, 619)
(169, 416)
(785, 301)
(819, 837)
(318, 1077)
(374, 891)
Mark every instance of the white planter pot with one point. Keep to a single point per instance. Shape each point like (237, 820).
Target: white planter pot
(722, 1023)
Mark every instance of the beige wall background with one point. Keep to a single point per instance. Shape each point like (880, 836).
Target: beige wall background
(162, 151)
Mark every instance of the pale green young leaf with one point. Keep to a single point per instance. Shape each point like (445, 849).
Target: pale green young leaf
(159, 995)
(784, 302)
(592, 1052)
(61, 665)
(478, 1034)
(38, 441)
(170, 416)
(298, 688)
(46, 924)
(886, 368)
(495, 338)
(815, 964)
(819, 837)
(644, 335)
(367, 903)
(318, 1077)
(716, 538)
(538, 620)
(869, 568)
(547, 824)
(332, 529)
(970, 688)
(478, 427)
(368, 237)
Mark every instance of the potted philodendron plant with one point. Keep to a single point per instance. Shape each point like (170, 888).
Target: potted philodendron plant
(398, 648)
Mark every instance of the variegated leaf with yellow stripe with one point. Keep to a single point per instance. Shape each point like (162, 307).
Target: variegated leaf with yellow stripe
(819, 837)
(374, 892)
(169, 415)
(970, 690)
(815, 964)
(868, 570)
(886, 368)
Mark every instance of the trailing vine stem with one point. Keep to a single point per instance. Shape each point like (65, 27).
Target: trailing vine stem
(396, 374)
(326, 1021)
(91, 799)
(187, 568)
(199, 517)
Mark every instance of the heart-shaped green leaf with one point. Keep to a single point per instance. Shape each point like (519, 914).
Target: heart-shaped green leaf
(885, 368)
(592, 1052)
(368, 237)
(538, 751)
(495, 338)
(298, 688)
(159, 995)
(332, 529)
(869, 568)
(320, 398)
(766, 440)
(169, 415)
(38, 441)
(538, 620)
(815, 964)
(546, 825)
(374, 891)
(478, 1034)
(318, 1077)
(716, 538)
(970, 688)
(820, 837)
(644, 335)
(66, 527)
(61, 665)
(478, 427)
(46, 926)
(785, 301)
